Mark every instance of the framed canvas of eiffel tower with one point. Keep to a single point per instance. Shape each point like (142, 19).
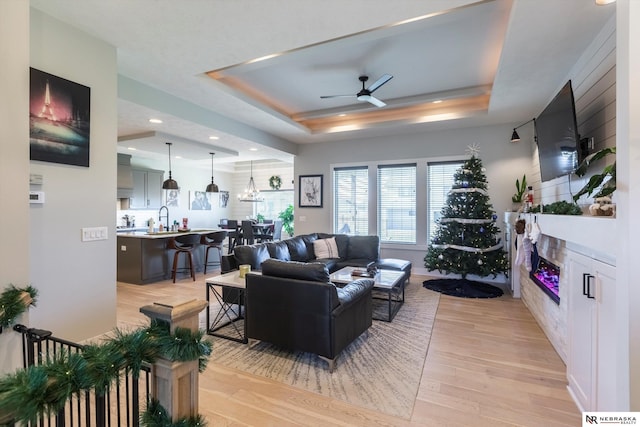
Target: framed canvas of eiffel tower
(59, 113)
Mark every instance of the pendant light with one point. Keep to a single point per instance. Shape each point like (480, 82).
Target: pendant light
(212, 188)
(251, 193)
(170, 184)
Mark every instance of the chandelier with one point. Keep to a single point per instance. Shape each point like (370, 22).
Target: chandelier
(251, 193)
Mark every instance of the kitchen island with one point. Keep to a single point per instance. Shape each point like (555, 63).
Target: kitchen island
(143, 257)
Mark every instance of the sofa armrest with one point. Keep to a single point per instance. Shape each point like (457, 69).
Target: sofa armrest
(352, 293)
(354, 290)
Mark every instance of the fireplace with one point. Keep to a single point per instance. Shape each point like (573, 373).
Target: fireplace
(546, 275)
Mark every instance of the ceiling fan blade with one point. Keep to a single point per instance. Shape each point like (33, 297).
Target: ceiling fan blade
(373, 100)
(336, 96)
(382, 80)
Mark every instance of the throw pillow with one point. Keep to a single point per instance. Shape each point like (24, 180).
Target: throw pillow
(326, 248)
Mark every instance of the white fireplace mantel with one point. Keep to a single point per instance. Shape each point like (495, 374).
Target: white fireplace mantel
(593, 236)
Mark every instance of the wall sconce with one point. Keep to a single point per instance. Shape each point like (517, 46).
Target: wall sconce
(515, 137)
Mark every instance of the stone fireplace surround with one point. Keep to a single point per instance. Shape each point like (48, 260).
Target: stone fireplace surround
(587, 235)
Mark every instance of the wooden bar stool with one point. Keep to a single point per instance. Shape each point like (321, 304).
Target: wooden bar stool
(213, 240)
(183, 244)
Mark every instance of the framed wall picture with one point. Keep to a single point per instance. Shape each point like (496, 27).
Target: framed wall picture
(310, 191)
(224, 199)
(199, 201)
(172, 198)
(59, 113)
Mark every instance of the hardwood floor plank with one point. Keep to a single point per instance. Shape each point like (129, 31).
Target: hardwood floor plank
(488, 364)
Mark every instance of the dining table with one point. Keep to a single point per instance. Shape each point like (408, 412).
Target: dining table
(261, 231)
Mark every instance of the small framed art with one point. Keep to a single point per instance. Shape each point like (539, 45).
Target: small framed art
(310, 191)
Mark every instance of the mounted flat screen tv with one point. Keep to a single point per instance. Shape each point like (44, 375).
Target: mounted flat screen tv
(558, 139)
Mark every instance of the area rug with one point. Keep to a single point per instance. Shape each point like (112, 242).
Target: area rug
(463, 288)
(381, 370)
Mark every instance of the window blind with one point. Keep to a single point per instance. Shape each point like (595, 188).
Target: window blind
(397, 203)
(350, 200)
(439, 182)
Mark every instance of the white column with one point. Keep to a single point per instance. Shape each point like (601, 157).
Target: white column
(14, 162)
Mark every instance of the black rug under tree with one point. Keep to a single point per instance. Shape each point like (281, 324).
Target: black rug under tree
(463, 288)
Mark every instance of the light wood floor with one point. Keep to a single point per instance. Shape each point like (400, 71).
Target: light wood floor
(488, 364)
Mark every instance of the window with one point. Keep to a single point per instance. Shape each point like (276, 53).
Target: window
(274, 203)
(439, 182)
(397, 203)
(351, 207)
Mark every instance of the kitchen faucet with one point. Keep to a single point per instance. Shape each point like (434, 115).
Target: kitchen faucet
(166, 216)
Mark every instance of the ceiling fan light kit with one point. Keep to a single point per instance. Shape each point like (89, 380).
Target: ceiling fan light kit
(365, 93)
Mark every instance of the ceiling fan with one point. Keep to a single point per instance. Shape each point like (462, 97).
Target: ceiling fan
(365, 94)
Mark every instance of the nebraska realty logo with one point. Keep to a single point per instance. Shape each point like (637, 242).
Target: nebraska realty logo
(610, 418)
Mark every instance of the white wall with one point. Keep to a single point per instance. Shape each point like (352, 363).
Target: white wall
(504, 161)
(14, 163)
(76, 279)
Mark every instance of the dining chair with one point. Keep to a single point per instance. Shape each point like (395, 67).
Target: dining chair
(233, 233)
(277, 230)
(248, 237)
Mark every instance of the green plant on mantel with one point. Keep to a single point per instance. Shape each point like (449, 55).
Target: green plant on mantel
(558, 208)
(518, 197)
(606, 178)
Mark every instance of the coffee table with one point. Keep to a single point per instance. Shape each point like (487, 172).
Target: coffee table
(234, 287)
(389, 282)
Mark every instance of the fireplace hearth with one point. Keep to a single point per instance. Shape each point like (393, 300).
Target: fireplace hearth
(546, 275)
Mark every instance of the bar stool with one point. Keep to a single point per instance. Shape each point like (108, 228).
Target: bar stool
(183, 244)
(213, 240)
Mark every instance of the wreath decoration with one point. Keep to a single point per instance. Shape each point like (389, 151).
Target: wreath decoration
(275, 182)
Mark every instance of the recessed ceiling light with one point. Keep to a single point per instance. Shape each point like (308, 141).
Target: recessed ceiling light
(132, 148)
(178, 157)
(253, 149)
(214, 137)
(155, 121)
(342, 115)
(437, 101)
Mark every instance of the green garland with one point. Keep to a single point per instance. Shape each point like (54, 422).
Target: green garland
(44, 389)
(12, 303)
(156, 416)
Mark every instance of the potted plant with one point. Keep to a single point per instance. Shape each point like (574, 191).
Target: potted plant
(518, 197)
(606, 178)
(287, 219)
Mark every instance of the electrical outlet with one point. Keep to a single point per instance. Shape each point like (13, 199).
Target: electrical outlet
(90, 234)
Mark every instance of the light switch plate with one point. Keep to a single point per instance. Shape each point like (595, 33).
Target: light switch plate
(90, 234)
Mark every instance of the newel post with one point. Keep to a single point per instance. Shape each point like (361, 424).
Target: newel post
(175, 384)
